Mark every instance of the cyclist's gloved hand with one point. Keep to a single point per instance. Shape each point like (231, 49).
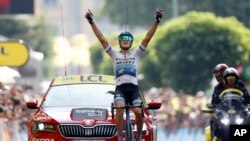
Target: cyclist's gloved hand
(89, 16)
(158, 15)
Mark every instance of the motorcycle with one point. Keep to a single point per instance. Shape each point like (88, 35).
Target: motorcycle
(230, 111)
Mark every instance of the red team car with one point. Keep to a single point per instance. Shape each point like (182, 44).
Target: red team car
(78, 108)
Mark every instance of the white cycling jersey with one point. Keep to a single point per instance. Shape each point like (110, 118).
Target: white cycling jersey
(126, 66)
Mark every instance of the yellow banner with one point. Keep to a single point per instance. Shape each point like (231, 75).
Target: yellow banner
(13, 54)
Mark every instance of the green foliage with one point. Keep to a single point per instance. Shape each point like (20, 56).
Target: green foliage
(96, 57)
(33, 32)
(150, 72)
(140, 12)
(187, 48)
(11, 27)
(239, 9)
(100, 60)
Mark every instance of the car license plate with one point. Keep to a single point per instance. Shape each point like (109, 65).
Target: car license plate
(89, 113)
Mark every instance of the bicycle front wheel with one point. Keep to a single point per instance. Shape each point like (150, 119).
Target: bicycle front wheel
(129, 132)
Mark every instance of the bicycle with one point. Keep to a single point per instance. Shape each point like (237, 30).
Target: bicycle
(129, 136)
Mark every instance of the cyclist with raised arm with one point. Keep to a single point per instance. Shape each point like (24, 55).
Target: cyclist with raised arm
(126, 66)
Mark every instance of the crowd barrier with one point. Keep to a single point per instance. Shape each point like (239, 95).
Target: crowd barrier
(11, 131)
(4, 131)
(181, 134)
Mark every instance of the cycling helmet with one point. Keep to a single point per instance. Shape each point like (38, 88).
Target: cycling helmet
(231, 72)
(126, 36)
(219, 70)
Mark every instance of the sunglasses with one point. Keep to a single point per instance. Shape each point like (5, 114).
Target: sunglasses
(126, 38)
(231, 78)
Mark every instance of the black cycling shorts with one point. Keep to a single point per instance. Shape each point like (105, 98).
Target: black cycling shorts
(129, 93)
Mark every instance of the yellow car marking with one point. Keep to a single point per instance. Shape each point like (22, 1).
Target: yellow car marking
(84, 79)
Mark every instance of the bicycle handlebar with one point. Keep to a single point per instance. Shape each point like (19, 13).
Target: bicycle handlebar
(127, 106)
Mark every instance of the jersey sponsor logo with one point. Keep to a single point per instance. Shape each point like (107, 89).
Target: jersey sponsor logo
(126, 69)
(130, 60)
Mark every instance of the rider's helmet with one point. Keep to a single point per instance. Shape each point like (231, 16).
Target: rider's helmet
(230, 76)
(126, 36)
(219, 70)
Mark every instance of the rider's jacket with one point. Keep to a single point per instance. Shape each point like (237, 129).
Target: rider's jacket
(220, 87)
(215, 96)
(126, 65)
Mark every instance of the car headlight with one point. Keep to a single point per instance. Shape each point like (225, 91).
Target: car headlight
(238, 120)
(39, 127)
(225, 120)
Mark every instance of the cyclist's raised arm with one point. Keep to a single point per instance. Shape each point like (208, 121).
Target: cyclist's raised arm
(151, 32)
(98, 33)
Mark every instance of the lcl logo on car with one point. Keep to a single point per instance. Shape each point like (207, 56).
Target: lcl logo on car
(92, 78)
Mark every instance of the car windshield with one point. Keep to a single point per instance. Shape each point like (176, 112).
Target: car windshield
(79, 95)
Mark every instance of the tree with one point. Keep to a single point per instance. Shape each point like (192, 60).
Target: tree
(33, 31)
(99, 59)
(187, 48)
(239, 9)
(140, 13)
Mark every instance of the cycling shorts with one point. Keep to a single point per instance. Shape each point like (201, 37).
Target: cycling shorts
(128, 92)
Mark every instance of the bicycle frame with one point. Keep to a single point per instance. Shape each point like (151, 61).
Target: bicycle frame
(128, 126)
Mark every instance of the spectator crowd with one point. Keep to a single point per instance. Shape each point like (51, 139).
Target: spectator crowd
(14, 114)
(180, 117)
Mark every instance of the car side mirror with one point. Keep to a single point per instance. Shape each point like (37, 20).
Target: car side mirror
(154, 105)
(32, 104)
(111, 92)
(210, 111)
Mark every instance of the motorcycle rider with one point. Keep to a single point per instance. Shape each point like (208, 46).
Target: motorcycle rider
(227, 77)
(218, 73)
(231, 80)
(126, 65)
